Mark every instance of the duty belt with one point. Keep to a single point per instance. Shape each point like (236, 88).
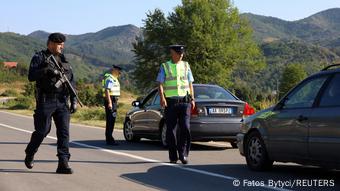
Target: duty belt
(176, 100)
(52, 96)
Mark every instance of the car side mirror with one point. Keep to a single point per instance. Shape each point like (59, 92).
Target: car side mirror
(135, 103)
(140, 98)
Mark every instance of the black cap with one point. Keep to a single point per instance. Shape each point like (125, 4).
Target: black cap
(177, 48)
(57, 37)
(117, 67)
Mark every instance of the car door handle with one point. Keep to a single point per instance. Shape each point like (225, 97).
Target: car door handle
(302, 118)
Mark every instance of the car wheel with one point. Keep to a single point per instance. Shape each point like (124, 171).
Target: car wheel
(233, 144)
(256, 153)
(128, 132)
(163, 135)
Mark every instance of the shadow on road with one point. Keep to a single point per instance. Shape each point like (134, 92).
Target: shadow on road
(168, 178)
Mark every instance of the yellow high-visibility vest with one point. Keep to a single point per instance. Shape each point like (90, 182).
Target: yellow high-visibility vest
(176, 79)
(115, 89)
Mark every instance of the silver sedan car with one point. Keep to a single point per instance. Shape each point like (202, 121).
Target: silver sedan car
(216, 117)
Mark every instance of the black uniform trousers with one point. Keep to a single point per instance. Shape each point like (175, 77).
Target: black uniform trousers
(110, 118)
(177, 114)
(47, 108)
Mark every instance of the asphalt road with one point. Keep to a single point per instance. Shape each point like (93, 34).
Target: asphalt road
(139, 166)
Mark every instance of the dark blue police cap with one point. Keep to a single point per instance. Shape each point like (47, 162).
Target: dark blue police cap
(117, 67)
(177, 48)
(57, 37)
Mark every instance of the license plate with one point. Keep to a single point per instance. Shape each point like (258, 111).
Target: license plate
(220, 110)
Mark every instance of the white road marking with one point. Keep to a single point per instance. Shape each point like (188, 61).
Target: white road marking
(143, 158)
(73, 124)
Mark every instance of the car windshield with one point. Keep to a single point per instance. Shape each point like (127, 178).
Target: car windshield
(212, 92)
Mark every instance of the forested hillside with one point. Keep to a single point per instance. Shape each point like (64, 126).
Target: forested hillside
(312, 42)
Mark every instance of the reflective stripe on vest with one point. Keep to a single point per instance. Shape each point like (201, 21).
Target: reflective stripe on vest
(176, 79)
(115, 89)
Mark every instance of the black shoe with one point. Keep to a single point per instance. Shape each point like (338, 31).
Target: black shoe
(112, 142)
(63, 168)
(29, 161)
(184, 160)
(173, 161)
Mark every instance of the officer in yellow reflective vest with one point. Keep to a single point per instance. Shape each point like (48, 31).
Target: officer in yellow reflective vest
(111, 93)
(177, 97)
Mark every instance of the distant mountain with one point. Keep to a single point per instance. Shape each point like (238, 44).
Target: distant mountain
(41, 35)
(20, 48)
(312, 42)
(89, 53)
(109, 46)
(319, 28)
(15, 47)
(313, 39)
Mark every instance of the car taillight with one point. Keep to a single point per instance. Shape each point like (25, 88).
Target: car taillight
(194, 112)
(248, 110)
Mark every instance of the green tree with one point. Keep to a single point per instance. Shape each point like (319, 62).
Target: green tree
(291, 76)
(217, 41)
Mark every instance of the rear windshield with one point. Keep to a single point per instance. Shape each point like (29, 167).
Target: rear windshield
(212, 92)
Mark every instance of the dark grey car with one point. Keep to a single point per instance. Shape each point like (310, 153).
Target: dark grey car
(304, 127)
(217, 116)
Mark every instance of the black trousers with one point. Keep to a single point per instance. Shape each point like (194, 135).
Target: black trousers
(177, 115)
(110, 118)
(46, 109)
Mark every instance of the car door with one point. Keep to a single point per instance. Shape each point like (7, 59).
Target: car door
(154, 114)
(324, 137)
(288, 128)
(140, 119)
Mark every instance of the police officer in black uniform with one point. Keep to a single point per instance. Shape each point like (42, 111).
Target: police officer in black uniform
(51, 101)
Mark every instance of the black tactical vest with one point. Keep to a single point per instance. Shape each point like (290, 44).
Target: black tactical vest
(46, 85)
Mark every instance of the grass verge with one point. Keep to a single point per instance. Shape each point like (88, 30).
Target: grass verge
(93, 116)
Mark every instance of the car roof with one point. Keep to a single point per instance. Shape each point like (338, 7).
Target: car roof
(207, 85)
(195, 85)
(329, 71)
(204, 85)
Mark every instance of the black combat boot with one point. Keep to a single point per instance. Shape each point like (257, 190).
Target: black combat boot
(63, 167)
(29, 161)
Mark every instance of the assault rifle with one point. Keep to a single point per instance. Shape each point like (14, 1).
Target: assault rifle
(63, 79)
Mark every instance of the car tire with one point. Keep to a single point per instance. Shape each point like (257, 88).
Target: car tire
(256, 153)
(162, 135)
(233, 144)
(128, 132)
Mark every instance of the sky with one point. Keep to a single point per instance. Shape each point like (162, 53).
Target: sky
(83, 16)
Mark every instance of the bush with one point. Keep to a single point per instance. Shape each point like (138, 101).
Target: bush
(263, 104)
(94, 113)
(21, 103)
(292, 75)
(90, 95)
(98, 113)
(29, 89)
(10, 93)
